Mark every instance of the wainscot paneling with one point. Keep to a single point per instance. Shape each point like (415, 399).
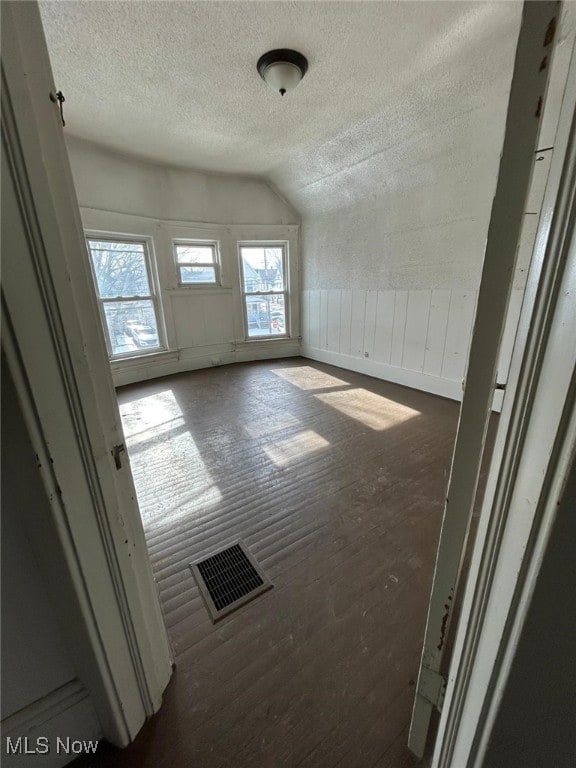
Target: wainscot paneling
(418, 338)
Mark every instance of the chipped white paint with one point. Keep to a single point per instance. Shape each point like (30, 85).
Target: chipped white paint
(534, 449)
(523, 119)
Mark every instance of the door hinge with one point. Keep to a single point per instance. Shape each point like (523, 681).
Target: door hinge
(432, 687)
(116, 451)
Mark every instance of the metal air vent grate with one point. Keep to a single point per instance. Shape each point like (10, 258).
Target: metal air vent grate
(229, 579)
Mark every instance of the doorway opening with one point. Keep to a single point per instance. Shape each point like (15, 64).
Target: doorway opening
(336, 482)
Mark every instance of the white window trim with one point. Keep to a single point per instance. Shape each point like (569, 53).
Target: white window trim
(154, 296)
(284, 245)
(215, 245)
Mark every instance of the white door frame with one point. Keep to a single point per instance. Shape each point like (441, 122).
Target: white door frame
(525, 107)
(534, 449)
(92, 550)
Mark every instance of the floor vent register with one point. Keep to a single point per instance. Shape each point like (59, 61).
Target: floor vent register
(229, 579)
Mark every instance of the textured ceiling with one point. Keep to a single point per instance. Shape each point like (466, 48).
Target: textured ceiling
(176, 82)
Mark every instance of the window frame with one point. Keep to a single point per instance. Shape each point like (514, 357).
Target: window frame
(153, 284)
(215, 245)
(285, 292)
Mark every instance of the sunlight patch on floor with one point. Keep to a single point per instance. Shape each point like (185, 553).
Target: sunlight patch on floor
(307, 378)
(275, 422)
(368, 408)
(154, 433)
(149, 412)
(171, 477)
(295, 448)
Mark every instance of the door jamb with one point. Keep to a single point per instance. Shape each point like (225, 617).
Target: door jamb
(528, 470)
(527, 93)
(58, 360)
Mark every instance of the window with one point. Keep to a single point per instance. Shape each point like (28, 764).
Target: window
(197, 263)
(128, 301)
(264, 289)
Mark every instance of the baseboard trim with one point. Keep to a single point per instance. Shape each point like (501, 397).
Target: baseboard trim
(143, 369)
(413, 379)
(192, 360)
(65, 712)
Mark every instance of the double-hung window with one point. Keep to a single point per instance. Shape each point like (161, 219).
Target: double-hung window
(127, 295)
(263, 269)
(197, 262)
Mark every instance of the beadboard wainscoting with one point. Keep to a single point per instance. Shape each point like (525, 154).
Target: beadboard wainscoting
(418, 338)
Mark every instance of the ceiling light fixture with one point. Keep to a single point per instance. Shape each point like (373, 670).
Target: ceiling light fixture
(282, 69)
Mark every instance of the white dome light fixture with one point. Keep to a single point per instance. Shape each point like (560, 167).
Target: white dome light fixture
(282, 69)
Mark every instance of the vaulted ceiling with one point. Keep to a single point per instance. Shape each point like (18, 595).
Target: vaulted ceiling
(176, 82)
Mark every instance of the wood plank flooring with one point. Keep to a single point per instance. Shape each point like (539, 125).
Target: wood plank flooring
(336, 483)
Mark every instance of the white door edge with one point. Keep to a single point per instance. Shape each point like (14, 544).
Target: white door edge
(527, 94)
(95, 552)
(535, 443)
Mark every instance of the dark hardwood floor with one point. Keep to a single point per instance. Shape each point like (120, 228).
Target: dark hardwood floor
(336, 482)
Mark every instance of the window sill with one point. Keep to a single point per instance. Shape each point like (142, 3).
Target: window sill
(266, 339)
(185, 290)
(164, 355)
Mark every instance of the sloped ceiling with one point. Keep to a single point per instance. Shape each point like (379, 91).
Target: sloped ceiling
(176, 82)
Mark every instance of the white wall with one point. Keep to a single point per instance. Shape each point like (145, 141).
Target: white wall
(393, 243)
(41, 695)
(416, 336)
(392, 237)
(390, 284)
(109, 181)
(204, 325)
